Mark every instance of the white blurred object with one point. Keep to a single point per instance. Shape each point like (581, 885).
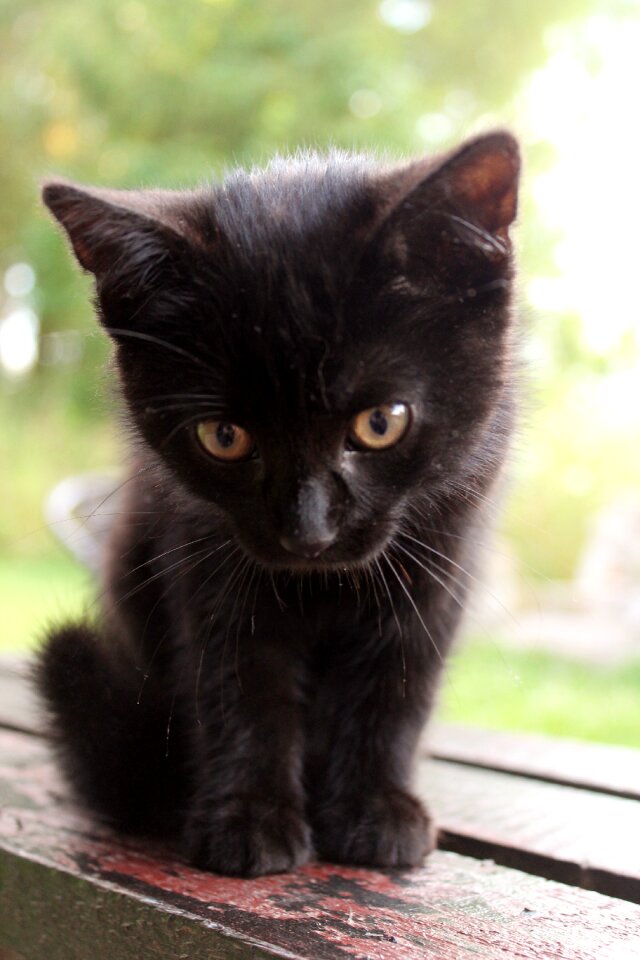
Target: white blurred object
(608, 576)
(80, 512)
(19, 341)
(595, 617)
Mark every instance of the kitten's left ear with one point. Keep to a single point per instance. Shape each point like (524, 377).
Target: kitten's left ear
(469, 197)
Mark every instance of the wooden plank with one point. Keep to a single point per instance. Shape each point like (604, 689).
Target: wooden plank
(563, 833)
(72, 890)
(594, 766)
(586, 839)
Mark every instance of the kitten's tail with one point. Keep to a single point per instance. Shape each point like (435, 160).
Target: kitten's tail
(113, 744)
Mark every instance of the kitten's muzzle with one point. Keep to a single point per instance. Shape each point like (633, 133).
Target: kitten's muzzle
(309, 549)
(307, 526)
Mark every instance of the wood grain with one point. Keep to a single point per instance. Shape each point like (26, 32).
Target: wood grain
(569, 833)
(587, 839)
(594, 766)
(73, 890)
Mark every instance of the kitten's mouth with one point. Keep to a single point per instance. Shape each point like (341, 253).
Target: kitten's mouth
(339, 556)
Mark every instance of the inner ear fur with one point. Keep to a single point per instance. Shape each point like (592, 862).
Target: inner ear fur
(472, 191)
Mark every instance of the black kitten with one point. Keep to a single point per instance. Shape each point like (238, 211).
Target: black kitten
(317, 363)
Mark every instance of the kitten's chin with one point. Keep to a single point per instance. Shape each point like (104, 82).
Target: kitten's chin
(338, 558)
(299, 565)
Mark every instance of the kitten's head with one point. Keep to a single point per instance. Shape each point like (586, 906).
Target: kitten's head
(318, 350)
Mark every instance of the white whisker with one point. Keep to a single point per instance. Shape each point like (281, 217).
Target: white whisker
(453, 563)
(413, 604)
(395, 617)
(434, 576)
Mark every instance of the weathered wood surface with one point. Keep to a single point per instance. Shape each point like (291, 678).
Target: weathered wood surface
(594, 766)
(586, 839)
(70, 889)
(573, 835)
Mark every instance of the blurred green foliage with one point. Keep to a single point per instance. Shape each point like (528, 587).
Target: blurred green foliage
(130, 93)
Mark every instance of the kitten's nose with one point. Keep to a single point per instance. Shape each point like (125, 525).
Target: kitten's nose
(306, 529)
(309, 549)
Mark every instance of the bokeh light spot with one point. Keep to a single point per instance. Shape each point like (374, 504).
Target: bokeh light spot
(19, 341)
(406, 16)
(60, 140)
(364, 104)
(19, 280)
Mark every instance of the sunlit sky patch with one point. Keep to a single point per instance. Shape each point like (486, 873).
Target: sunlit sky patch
(591, 194)
(406, 16)
(19, 326)
(19, 341)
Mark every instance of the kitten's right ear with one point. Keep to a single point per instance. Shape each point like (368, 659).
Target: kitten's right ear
(455, 215)
(116, 235)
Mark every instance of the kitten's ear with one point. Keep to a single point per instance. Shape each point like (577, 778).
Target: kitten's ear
(122, 237)
(468, 199)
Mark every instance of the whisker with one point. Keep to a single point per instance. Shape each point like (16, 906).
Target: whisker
(204, 405)
(159, 342)
(489, 547)
(372, 589)
(486, 240)
(477, 498)
(180, 426)
(239, 580)
(169, 722)
(81, 521)
(153, 578)
(388, 592)
(215, 397)
(431, 574)
(453, 563)
(279, 599)
(255, 599)
(443, 556)
(162, 596)
(165, 553)
(395, 617)
(413, 604)
(236, 662)
(210, 623)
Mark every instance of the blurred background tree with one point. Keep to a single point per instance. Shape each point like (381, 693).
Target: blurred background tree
(130, 93)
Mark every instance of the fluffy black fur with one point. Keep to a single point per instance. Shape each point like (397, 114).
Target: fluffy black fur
(274, 628)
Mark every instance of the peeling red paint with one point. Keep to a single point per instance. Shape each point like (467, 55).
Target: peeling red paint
(453, 908)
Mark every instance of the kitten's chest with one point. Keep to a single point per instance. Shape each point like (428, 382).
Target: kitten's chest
(259, 605)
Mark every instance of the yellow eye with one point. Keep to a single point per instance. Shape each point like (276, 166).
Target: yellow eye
(380, 427)
(225, 441)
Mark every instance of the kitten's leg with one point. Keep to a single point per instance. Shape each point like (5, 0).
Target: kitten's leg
(371, 709)
(247, 816)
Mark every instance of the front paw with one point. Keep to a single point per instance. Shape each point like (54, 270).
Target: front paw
(248, 837)
(389, 828)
